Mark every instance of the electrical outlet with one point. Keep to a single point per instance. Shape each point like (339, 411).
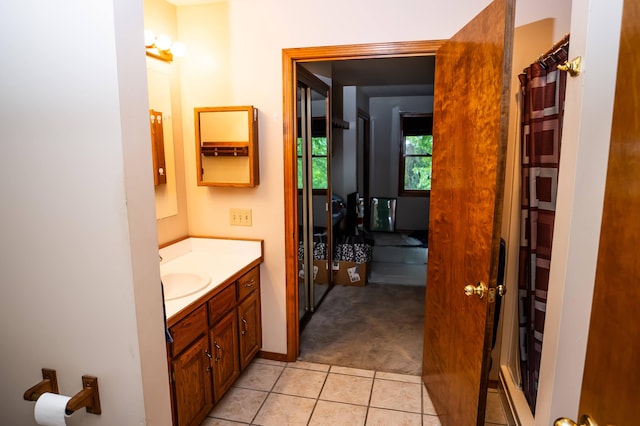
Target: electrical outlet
(240, 217)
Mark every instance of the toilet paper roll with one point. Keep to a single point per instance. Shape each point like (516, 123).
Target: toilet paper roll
(50, 409)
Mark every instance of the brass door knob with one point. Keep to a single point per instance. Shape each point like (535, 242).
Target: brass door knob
(479, 290)
(585, 420)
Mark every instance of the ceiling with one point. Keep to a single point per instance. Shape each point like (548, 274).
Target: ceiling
(382, 77)
(190, 2)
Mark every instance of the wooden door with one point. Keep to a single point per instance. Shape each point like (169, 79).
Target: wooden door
(612, 367)
(473, 72)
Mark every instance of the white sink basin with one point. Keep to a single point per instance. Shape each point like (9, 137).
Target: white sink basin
(181, 284)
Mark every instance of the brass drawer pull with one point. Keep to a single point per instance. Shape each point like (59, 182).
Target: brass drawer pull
(218, 350)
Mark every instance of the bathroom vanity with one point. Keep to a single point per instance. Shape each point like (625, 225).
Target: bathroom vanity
(212, 302)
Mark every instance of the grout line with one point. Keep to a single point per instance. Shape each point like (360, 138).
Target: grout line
(317, 399)
(269, 392)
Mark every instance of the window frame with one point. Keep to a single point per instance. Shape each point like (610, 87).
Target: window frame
(315, 191)
(402, 156)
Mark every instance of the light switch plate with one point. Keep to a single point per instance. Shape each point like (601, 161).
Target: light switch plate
(240, 217)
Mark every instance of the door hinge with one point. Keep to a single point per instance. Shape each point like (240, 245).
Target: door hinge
(492, 295)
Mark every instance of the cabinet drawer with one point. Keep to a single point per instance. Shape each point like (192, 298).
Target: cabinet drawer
(222, 303)
(248, 282)
(188, 329)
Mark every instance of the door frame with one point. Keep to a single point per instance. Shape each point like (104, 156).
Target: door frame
(290, 58)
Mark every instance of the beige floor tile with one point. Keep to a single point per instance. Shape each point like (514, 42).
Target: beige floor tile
(382, 417)
(277, 393)
(348, 389)
(396, 395)
(240, 405)
(309, 366)
(298, 382)
(259, 376)
(495, 412)
(280, 410)
(427, 404)
(334, 413)
(428, 420)
(398, 377)
(352, 371)
(269, 361)
(219, 422)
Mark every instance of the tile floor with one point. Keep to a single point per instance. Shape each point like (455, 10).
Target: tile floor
(301, 393)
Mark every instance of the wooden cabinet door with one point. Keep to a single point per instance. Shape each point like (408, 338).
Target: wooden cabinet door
(192, 383)
(250, 324)
(224, 347)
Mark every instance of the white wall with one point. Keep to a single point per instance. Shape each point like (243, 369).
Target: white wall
(411, 212)
(343, 159)
(348, 155)
(80, 278)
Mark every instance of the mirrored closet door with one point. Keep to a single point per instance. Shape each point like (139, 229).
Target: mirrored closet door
(314, 192)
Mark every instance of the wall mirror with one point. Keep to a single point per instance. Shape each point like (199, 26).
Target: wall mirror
(383, 214)
(159, 88)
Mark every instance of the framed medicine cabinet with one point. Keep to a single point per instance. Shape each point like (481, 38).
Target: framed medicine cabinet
(227, 146)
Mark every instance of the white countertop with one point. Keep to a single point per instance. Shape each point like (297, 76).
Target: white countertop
(216, 257)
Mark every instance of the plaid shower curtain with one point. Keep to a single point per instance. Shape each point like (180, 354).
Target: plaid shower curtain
(542, 92)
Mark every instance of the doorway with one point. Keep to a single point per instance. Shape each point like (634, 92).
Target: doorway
(481, 51)
(315, 59)
(339, 332)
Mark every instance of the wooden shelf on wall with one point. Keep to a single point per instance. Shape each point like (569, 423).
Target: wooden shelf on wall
(338, 123)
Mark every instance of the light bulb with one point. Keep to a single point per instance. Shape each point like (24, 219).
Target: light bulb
(163, 42)
(149, 38)
(178, 49)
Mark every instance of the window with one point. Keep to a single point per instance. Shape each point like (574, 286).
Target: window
(318, 157)
(416, 151)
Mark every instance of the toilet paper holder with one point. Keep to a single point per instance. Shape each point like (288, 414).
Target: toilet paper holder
(88, 397)
(49, 383)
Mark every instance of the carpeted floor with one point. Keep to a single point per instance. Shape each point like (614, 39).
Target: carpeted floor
(377, 327)
(398, 259)
(397, 239)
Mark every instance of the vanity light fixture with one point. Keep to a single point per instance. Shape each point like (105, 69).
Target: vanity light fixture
(161, 47)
